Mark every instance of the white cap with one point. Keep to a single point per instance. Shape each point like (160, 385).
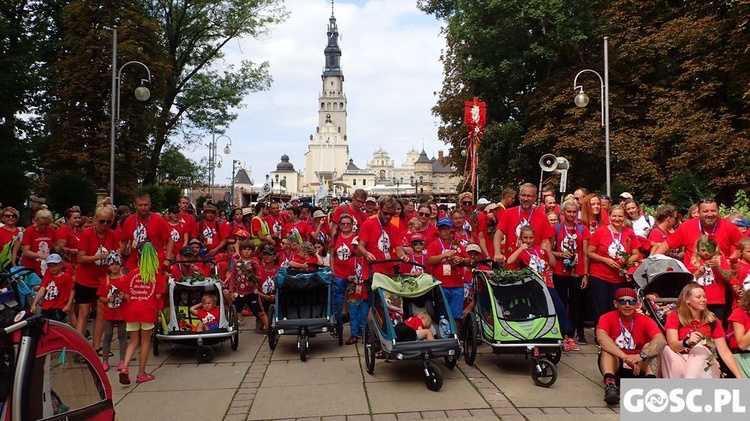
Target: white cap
(626, 195)
(483, 201)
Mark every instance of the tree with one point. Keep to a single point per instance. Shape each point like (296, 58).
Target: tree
(199, 94)
(175, 168)
(68, 189)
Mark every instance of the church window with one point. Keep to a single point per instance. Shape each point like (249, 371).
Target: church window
(322, 105)
(335, 106)
(328, 106)
(341, 106)
(354, 181)
(382, 174)
(364, 182)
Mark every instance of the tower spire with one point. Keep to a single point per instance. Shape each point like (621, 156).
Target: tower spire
(332, 50)
(332, 7)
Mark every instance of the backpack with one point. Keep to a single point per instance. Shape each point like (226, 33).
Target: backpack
(558, 227)
(6, 255)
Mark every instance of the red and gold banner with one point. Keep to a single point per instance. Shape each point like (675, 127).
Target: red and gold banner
(475, 117)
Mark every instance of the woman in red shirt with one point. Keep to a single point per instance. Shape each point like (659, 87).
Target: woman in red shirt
(592, 214)
(688, 354)
(8, 232)
(38, 240)
(69, 234)
(666, 221)
(612, 249)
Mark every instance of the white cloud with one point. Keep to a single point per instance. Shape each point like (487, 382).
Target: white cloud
(390, 60)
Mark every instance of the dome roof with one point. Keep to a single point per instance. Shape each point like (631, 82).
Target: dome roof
(285, 165)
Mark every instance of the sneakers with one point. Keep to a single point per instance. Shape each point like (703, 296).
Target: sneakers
(570, 345)
(145, 377)
(105, 366)
(124, 376)
(611, 394)
(120, 366)
(580, 338)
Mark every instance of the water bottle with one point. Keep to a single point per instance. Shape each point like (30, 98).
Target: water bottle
(444, 327)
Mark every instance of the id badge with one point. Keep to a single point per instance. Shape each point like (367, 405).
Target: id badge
(446, 269)
(358, 289)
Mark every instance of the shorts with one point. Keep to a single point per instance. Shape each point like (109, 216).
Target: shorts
(84, 294)
(252, 301)
(455, 300)
(214, 326)
(136, 326)
(54, 314)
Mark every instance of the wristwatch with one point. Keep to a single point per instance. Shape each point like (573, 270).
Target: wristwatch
(643, 355)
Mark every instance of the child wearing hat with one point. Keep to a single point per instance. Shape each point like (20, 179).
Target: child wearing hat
(56, 289)
(111, 296)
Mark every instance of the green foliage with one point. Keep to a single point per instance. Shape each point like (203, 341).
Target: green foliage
(157, 197)
(686, 189)
(740, 204)
(176, 169)
(70, 188)
(14, 189)
(171, 195)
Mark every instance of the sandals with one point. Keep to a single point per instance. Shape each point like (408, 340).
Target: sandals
(570, 345)
(352, 340)
(100, 352)
(145, 377)
(124, 376)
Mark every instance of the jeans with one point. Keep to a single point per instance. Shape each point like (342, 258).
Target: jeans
(602, 295)
(571, 295)
(562, 314)
(339, 292)
(358, 317)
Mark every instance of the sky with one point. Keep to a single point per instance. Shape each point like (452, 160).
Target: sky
(392, 70)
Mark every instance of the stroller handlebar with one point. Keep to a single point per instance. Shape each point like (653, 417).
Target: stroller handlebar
(377, 262)
(22, 324)
(491, 262)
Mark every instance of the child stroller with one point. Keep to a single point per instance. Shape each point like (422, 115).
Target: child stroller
(395, 298)
(303, 307)
(47, 369)
(514, 314)
(658, 282)
(178, 326)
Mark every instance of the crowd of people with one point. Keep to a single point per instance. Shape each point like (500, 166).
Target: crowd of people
(116, 264)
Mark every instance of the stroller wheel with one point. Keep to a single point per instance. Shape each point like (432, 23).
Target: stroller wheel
(370, 349)
(234, 340)
(273, 334)
(543, 372)
(451, 360)
(155, 343)
(204, 354)
(302, 345)
(433, 376)
(554, 357)
(470, 339)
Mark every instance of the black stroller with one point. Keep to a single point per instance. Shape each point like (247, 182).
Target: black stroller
(658, 281)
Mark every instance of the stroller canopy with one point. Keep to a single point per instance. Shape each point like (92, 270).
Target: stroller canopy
(662, 275)
(405, 286)
(300, 280)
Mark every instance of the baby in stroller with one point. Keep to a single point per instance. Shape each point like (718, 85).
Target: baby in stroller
(416, 327)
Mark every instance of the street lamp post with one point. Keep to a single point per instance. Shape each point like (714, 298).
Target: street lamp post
(416, 182)
(234, 173)
(213, 158)
(582, 100)
(277, 183)
(141, 94)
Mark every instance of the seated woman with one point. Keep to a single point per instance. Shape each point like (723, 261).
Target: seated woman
(739, 341)
(690, 330)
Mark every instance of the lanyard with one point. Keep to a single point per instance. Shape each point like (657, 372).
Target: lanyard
(617, 242)
(713, 231)
(414, 259)
(531, 214)
(628, 334)
(537, 260)
(442, 245)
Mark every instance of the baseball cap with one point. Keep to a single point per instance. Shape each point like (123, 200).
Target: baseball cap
(195, 241)
(242, 233)
(53, 258)
(473, 247)
(626, 195)
(268, 249)
(187, 251)
(483, 201)
(210, 207)
(416, 237)
(741, 222)
(625, 292)
(445, 222)
(295, 198)
(319, 214)
(371, 199)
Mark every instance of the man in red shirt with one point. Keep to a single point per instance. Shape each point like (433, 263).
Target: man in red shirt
(275, 221)
(185, 217)
(354, 209)
(708, 223)
(379, 239)
(513, 219)
(145, 226)
(212, 233)
(629, 342)
(486, 224)
(260, 230)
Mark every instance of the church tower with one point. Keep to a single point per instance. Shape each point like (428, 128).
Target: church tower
(328, 150)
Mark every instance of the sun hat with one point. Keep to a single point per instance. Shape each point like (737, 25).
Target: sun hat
(483, 201)
(473, 247)
(318, 214)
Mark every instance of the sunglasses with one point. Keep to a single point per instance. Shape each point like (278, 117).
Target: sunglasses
(390, 214)
(604, 197)
(466, 203)
(105, 221)
(426, 215)
(417, 243)
(708, 200)
(628, 301)
(10, 215)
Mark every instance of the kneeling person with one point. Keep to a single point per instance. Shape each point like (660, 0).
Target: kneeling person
(629, 342)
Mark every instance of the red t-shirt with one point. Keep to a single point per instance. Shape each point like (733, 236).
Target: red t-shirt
(568, 239)
(742, 317)
(513, 219)
(72, 237)
(538, 260)
(243, 280)
(112, 310)
(711, 281)
(484, 226)
(143, 303)
(38, 242)
(209, 318)
(673, 322)
(211, 233)
(57, 290)
(190, 225)
(312, 261)
(414, 322)
(742, 278)
(430, 234)
(343, 257)
(606, 245)
(381, 241)
(90, 274)
(267, 279)
(7, 235)
(275, 224)
(629, 336)
(286, 257)
(358, 216)
(727, 235)
(451, 276)
(137, 230)
(177, 232)
(301, 227)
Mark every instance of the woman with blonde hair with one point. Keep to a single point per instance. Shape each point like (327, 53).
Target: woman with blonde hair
(37, 242)
(694, 337)
(592, 214)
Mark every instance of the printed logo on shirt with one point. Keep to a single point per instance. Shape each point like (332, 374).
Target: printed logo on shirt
(114, 292)
(625, 340)
(708, 277)
(615, 249)
(175, 235)
(277, 228)
(343, 252)
(101, 250)
(269, 286)
(44, 247)
(208, 234)
(139, 235)
(384, 244)
(51, 292)
(208, 319)
(746, 283)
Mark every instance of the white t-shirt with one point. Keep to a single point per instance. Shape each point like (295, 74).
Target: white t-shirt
(642, 225)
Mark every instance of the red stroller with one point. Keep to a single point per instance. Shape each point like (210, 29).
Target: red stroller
(48, 371)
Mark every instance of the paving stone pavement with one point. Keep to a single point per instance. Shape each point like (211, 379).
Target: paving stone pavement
(255, 383)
